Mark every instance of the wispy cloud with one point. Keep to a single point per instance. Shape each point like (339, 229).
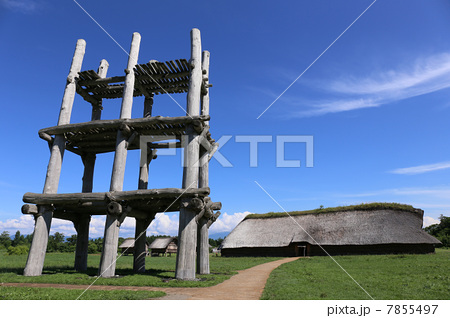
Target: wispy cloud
(23, 6)
(423, 76)
(422, 169)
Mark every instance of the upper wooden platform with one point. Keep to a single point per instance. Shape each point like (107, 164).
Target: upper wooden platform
(153, 77)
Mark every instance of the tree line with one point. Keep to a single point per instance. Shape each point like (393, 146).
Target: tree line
(441, 231)
(59, 243)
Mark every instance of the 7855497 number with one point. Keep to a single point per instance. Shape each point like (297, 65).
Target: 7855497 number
(412, 309)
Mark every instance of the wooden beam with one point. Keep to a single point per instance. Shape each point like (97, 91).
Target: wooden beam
(187, 232)
(30, 209)
(142, 194)
(36, 256)
(97, 108)
(203, 180)
(111, 237)
(81, 224)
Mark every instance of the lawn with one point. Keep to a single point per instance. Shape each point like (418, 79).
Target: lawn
(406, 277)
(33, 293)
(58, 269)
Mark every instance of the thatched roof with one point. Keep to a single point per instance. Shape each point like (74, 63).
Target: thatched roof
(128, 243)
(355, 227)
(162, 242)
(376, 206)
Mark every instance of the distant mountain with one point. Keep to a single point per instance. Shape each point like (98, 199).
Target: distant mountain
(215, 236)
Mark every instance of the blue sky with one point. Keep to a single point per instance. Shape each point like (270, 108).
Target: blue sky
(376, 102)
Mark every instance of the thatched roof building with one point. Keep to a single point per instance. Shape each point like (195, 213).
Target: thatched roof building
(377, 228)
(164, 245)
(127, 246)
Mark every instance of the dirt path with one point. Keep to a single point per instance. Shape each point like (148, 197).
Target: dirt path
(248, 284)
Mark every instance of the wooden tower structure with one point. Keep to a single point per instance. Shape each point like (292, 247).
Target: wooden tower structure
(120, 135)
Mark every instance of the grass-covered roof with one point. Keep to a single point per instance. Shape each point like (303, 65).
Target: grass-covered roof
(359, 207)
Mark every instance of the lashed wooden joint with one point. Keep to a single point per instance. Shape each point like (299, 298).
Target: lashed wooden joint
(130, 139)
(213, 150)
(126, 130)
(198, 125)
(196, 205)
(30, 209)
(49, 139)
(206, 209)
(114, 208)
(213, 219)
(45, 136)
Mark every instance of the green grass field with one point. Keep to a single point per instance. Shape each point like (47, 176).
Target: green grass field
(58, 269)
(382, 276)
(32, 293)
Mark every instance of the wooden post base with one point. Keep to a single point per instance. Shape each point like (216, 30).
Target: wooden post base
(81, 251)
(110, 243)
(187, 241)
(203, 247)
(36, 256)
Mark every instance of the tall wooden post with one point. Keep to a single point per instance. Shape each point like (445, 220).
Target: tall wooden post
(82, 224)
(203, 233)
(111, 237)
(187, 231)
(81, 249)
(36, 256)
(139, 244)
(140, 237)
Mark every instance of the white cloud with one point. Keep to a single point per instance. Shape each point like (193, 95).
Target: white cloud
(227, 222)
(428, 220)
(25, 224)
(421, 77)
(423, 168)
(23, 6)
(164, 224)
(97, 226)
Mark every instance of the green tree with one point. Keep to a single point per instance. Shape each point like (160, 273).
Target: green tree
(72, 240)
(99, 243)
(5, 239)
(215, 243)
(18, 250)
(92, 248)
(28, 239)
(18, 239)
(55, 242)
(441, 231)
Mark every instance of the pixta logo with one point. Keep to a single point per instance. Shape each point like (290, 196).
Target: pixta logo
(168, 147)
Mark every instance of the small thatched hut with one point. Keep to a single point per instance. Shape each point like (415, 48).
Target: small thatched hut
(127, 246)
(376, 228)
(164, 245)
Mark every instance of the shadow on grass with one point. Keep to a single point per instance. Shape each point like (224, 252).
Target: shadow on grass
(49, 271)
